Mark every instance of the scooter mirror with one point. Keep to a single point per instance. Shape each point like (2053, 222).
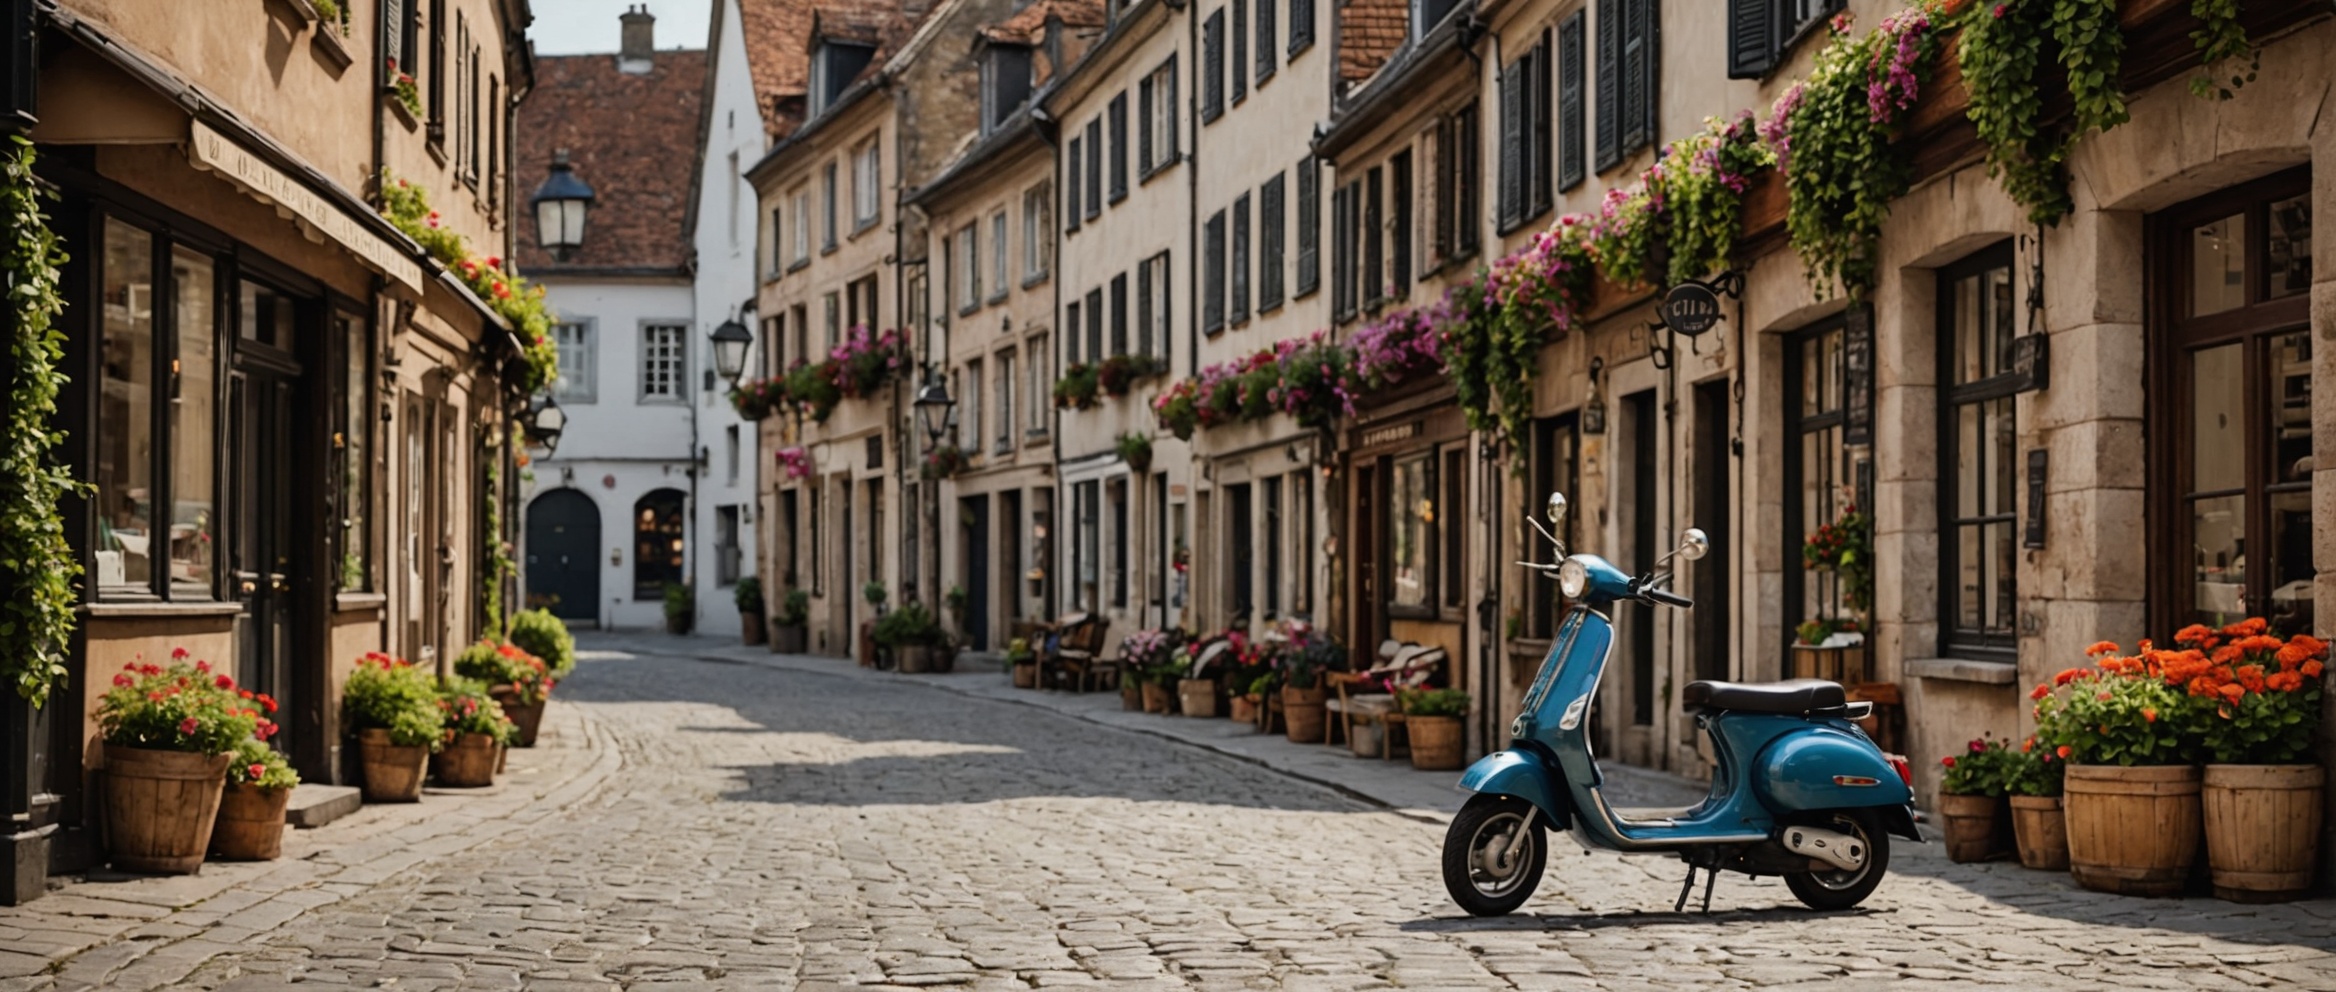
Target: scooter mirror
(1694, 544)
(1557, 509)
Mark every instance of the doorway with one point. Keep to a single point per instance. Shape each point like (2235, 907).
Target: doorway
(1713, 643)
(266, 569)
(974, 522)
(563, 549)
(1637, 505)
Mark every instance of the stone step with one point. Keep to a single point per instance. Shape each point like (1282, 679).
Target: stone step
(314, 805)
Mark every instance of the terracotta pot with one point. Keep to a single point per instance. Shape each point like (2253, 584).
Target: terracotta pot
(787, 639)
(750, 628)
(529, 716)
(1155, 698)
(1973, 824)
(2262, 829)
(1302, 714)
(2042, 830)
(468, 763)
(2132, 830)
(1435, 742)
(1199, 697)
(912, 659)
(393, 773)
(160, 807)
(1244, 709)
(1026, 675)
(251, 823)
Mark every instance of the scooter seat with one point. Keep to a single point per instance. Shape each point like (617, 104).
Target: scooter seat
(1793, 696)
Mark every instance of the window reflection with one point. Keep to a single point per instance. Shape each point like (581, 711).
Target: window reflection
(193, 427)
(125, 448)
(1412, 518)
(2218, 266)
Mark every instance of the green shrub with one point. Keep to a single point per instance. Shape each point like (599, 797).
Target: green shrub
(748, 595)
(506, 664)
(257, 764)
(543, 635)
(466, 708)
(1985, 768)
(386, 693)
(1434, 702)
(795, 610)
(910, 626)
(681, 607)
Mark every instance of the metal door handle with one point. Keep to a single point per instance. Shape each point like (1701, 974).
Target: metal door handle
(250, 587)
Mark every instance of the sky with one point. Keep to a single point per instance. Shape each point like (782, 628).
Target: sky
(575, 27)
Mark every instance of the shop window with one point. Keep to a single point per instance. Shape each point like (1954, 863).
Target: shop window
(155, 512)
(192, 393)
(1978, 456)
(1556, 469)
(1823, 471)
(356, 450)
(1411, 530)
(1240, 552)
(2233, 351)
(658, 543)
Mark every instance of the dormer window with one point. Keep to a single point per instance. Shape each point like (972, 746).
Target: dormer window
(834, 64)
(1005, 84)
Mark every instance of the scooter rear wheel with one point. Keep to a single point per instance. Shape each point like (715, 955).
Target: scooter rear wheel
(1838, 890)
(1482, 881)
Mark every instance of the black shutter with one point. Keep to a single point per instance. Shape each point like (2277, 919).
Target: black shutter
(1212, 300)
(1094, 167)
(1469, 125)
(1609, 79)
(1144, 125)
(1537, 194)
(1267, 59)
(1572, 166)
(1374, 231)
(1239, 256)
(1119, 147)
(1119, 314)
(1174, 110)
(1095, 324)
(1272, 241)
(1241, 50)
(1340, 306)
(1167, 307)
(1212, 67)
(1401, 238)
(1512, 200)
(1301, 26)
(1751, 38)
(1144, 305)
(1071, 204)
(1071, 332)
(1444, 219)
(1637, 74)
(1309, 225)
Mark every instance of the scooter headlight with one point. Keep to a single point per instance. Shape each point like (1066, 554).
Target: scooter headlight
(1573, 578)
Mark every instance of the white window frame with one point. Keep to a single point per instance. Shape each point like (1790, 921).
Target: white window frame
(579, 344)
(970, 423)
(1036, 235)
(1035, 366)
(867, 185)
(999, 255)
(664, 361)
(1153, 339)
(1162, 118)
(1003, 363)
(969, 267)
(802, 228)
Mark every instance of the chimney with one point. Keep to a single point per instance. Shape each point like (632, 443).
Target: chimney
(637, 52)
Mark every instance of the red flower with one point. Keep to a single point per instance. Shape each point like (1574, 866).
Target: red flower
(124, 680)
(224, 682)
(267, 702)
(2062, 751)
(2149, 713)
(2040, 692)
(1999, 12)
(1948, 761)
(255, 771)
(202, 666)
(178, 654)
(189, 725)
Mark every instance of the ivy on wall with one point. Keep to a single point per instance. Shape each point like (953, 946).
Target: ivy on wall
(37, 565)
(505, 292)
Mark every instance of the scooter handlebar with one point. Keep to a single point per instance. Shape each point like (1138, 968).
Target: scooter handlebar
(1665, 597)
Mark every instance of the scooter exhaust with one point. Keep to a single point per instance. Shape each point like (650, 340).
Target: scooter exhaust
(1833, 847)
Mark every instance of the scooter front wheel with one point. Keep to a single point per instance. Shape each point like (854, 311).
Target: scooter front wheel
(1842, 889)
(1488, 868)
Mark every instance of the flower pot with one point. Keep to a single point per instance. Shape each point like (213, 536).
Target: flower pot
(1435, 742)
(393, 773)
(1368, 739)
(2042, 832)
(1155, 698)
(787, 639)
(750, 630)
(1026, 675)
(1973, 824)
(1244, 709)
(251, 823)
(2132, 830)
(912, 659)
(528, 716)
(468, 763)
(1302, 714)
(1199, 696)
(160, 807)
(943, 660)
(2262, 829)
(1131, 696)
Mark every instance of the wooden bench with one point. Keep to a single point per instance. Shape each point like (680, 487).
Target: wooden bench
(1362, 698)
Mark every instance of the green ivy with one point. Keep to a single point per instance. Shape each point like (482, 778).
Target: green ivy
(1842, 168)
(509, 295)
(2221, 41)
(2000, 55)
(37, 565)
(500, 567)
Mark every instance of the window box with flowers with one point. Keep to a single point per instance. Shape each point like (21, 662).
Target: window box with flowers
(946, 461)
(170, 732)
(405, 97)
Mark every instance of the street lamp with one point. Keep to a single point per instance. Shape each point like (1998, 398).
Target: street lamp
(730, 343)
(545, 421)
(561, 204)
(935, 407)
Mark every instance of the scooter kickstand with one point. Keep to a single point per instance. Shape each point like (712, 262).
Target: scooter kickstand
(1684, 891)
(1710, 876)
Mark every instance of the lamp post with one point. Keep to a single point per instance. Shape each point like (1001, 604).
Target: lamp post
(561, 204)
(730, 343)
(936, 411)
(545, 421)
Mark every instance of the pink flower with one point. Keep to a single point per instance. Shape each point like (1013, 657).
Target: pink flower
(189, 725)
(256, 771)
(1998, 12)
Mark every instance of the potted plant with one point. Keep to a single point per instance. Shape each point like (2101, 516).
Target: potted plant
(2130, 795)
(1136, 450)
(2032, 777)
(169, 733)
(958, 603)
(787, 628)
(475, 732)
(748, 595)
(1023, 662)
(1971, 799)
(873, 592)
(2258, 711)
(1432, 718)
(393, 707)
(1302, 660)
(681, 608)
(519, 682)
(909, 633)
(251, 811)
(1830, 648)
(545, 636)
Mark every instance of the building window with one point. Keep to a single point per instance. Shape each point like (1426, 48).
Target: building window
(1212, 285)
(1071, 332)
(1116, 493)
(1272, 229)
(774, 262)
(969, 423)
(1118, 113)
(1005, 385)
(1270, 495)
(1572, 133)
(579, 376)
(1822, 470)
(1346, 222)
(1400, 238)
(1525, 136)
(1978, 443)
(834, 64)
(1309, 226)
(1301, 26)
(1759, 31)
(728, 558)
(1094, 205)
(1119, 314)
(730, 454)
(1457, 200)
(1374, 239)
(658, 543)
(827, 208)
(999, 258)
(1240, 60)
(159, 352)
(833, 324)
(1085, 543)
(664, 361)
(1627, 74)
(1095, 325)
(968, 270)
(1071, 176)
(867, 185)
(1156, 119)
(1036, 234)
(1268, 56)
(2233, 359)
(1036, 389)
(355, 533)
(1005, 84)
(860, 297)
(1239, 260)
(1556, 469)
(1153, 293)
(802, 239)
(1212, 67)
(1411, 529)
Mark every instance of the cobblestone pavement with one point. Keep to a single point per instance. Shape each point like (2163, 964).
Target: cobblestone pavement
(783, 829)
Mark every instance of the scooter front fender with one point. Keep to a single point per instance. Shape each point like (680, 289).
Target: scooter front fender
(1826, 767)
(1527, 775)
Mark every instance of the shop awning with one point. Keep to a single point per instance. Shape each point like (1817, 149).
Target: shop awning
(322, 222)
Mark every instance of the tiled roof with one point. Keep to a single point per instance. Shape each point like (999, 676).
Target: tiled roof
(628, 137)
(1027, 27)
(778, 56)
(1368, 32)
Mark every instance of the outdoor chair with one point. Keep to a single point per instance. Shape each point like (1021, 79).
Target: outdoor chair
(1362, 701)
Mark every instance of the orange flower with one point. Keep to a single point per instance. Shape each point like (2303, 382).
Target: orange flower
(2068, 675)
(2040, 692)
(2251, 676)
(2149, 713)
(2028, 745)
(2311, 669)
(2232, 692)
(2196, 634)
(2285, 681)
(2100, 648)
(2246, 628)
(2063, 751)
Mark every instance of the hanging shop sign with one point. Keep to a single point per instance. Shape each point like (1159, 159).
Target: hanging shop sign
(1690, 308)
(211, 151)
(1858, 376)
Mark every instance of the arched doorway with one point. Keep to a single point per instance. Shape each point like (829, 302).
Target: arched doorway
(563, 555)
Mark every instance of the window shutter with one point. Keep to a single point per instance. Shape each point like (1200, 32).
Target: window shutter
(1212, 303)
(1751, 38)
(1167, 307)
(393, 36)
(1468, 163)
(1173, 109)
(1119, 314)
(1094, 167)
(1144, 125)
(1440, 219)
(1144, 305)
(1301, 25)
(1071, 176)
(1400, 200)
(1095, 324)
(1241, 50)
(1537, 193)
(1638, 59)
(1309, 226)
(1071, 335)
(1212, 66)
(1512, 201)
(1267, 59)
(1272, 241)
(1571, 166)
(1374, 230)
(1609, 79)
(1240, 258)
(1118, 112)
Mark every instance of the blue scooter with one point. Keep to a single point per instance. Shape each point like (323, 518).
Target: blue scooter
(1798, 790)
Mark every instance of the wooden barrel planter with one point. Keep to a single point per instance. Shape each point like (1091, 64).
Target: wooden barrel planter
(528, 716)
(1026, 675)
(750, 629)
(2042, 832)
(788, 639)
(1198, 697)
(1244, 709)
(1155, 698)
(1131, 696)
(160, 807)
(913, 659)
(2132, 830)
(251, 823)
(468, 763)
(393, 773)
(1435, 742)
(2262, 829)
(1302, 714)
(1973, 823)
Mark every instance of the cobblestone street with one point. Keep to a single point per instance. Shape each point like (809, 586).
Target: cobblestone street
(781, 828)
